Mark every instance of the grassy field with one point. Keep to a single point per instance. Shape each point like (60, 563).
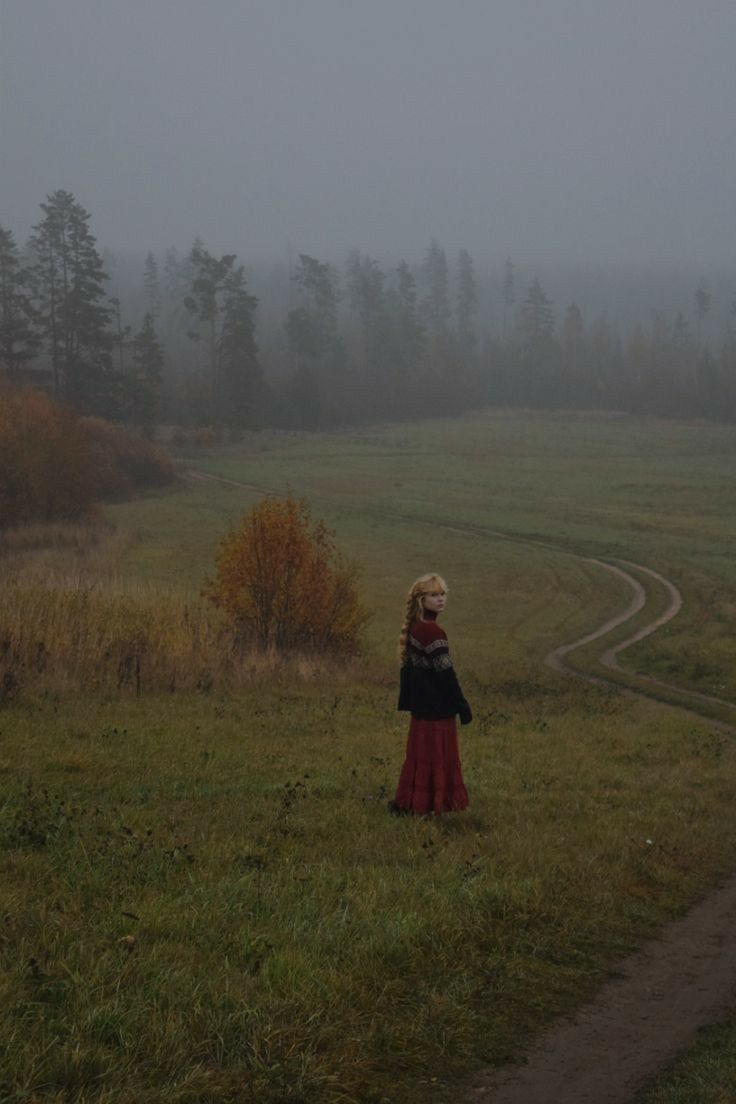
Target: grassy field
(613, 486)
(705, 1075)
(202, 897)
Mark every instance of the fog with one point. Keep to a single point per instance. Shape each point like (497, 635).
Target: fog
(557, 131)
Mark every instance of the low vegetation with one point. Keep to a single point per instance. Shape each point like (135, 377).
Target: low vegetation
(202, 896)
(204, 899)
(68, 623)
(282, 581)
(55, 465)
(704, 1075)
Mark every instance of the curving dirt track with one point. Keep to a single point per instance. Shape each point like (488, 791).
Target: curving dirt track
(655, 1000)
(649, 1011)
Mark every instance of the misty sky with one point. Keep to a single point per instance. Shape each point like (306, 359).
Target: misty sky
(600, 130)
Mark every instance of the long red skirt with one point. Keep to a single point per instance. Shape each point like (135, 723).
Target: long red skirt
(431, 779)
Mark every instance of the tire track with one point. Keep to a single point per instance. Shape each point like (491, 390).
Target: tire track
(556, 659)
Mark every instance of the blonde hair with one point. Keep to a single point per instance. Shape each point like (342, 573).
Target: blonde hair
(425, 584)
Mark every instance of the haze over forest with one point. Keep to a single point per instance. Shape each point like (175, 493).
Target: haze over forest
(532, 202)
(556, 132)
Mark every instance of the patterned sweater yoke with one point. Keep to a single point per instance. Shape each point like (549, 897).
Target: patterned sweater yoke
(427, 647)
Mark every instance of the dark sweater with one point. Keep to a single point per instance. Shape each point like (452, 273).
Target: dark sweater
(429, 689)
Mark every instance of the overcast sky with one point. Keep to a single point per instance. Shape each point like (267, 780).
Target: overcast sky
(596, 130)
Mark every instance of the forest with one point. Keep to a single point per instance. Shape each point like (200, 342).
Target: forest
(183, 340)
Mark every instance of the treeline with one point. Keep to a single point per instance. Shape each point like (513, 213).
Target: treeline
(180, 344)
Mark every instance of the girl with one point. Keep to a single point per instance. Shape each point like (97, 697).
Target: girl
(431, 779)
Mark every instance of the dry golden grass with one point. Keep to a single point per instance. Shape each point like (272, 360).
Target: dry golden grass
(68, 623)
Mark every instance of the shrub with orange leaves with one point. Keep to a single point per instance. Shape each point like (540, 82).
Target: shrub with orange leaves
(123, 461)
(282, 579)
(54, 465)
(45, 472)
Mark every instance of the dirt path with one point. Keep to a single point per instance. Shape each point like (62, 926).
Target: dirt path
(655, 1000)
(556, 658)
(649, 1011)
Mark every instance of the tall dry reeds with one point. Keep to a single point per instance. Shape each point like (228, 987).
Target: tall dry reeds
(69, 623)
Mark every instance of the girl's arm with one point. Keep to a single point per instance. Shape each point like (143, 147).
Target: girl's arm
(438, 652)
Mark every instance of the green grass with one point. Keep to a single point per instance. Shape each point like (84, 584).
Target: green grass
(705, 1075)
(291, 941)
(657, 492)
(221, 909)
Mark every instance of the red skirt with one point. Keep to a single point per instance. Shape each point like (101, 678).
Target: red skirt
(431, 779)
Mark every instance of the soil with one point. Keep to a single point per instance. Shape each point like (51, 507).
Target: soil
(649, 1011)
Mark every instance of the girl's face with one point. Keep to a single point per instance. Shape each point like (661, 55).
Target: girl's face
(435, 600)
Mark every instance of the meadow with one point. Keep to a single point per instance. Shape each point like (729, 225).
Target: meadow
(202, 896)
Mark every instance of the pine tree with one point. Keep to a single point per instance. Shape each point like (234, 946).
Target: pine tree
(220, 300)
(467, 304)
(172, 276)
(509, 294)
(152, 286)
(143, 383)
(537, 323)
(409, 330)
(121, 333)
(240, 367)
(317, 282)
(701, 307)
(206, 302)
(368, 299)
(572, 336)
(69, 277)
(318, 386)
(435, 306)
(539, 352)
(20, 339)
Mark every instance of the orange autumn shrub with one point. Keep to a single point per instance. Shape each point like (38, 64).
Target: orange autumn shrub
(54, 465)
(282, 580)
(45, 472)
(123, 461)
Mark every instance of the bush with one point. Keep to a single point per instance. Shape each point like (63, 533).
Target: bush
(283, 581)
(123, 462)
(45, 471)
(54, 464)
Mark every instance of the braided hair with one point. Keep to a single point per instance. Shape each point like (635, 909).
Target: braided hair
(425, 584)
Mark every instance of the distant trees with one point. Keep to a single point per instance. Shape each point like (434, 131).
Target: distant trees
(466, 305)
(538, 351)
(20, 337)
(331, 344)
(318, 383)
(509, 294)
(69, 281)
(152, 286)
(435, 303)
(410, 334)
(571, 340)
(701, 309)
(380, 362)
(219, 299)
(240, 369)
(143, 384)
